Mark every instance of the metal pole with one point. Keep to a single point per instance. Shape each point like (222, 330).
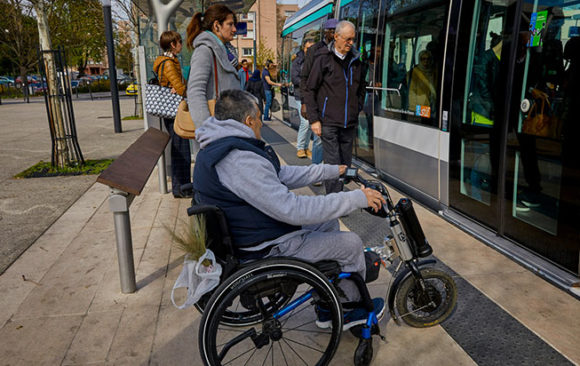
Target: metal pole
(112, 68)
(119, 203)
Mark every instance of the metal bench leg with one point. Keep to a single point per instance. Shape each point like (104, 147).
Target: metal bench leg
(119, 202)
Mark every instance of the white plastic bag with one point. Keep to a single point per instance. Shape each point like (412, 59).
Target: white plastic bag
(197, 278)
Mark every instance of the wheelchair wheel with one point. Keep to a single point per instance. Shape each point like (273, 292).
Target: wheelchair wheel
(422, 309)
(239, 316)
(286, 336)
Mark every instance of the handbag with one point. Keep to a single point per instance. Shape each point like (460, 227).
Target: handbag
(540, 122)
(197, 278)
(159, 100)
(184, 126)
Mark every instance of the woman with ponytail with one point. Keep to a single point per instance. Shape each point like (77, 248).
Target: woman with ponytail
(209, 35)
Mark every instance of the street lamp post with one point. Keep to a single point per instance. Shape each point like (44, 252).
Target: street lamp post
(112, 68)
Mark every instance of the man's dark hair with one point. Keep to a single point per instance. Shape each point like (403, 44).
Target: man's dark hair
(243, 60)
(236, 104)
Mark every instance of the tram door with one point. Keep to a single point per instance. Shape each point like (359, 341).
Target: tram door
(513, 154)
(480, 83)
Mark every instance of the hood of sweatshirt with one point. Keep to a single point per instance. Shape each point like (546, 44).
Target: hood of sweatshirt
(213, 129)
(208, 39)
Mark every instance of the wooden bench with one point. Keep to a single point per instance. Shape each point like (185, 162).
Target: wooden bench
(127, 177)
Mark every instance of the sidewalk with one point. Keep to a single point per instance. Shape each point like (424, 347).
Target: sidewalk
(62, 305)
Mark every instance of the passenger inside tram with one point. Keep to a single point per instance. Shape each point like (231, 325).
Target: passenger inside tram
(422, 80)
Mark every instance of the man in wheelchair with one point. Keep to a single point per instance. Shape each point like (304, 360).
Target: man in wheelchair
(237, 172)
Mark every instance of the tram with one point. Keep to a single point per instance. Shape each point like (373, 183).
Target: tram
(469, 109)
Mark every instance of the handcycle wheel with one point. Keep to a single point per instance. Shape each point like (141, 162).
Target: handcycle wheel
(241, 316)
(423, 309)
(289, 339)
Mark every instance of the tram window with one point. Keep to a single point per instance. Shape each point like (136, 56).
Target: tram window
(350, 12)
(411, 64)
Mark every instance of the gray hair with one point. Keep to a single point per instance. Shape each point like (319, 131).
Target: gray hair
(342, 25)
(237, 105)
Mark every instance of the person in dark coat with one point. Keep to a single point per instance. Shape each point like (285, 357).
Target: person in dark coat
(334, 96)
(255, 86)
(329, 27)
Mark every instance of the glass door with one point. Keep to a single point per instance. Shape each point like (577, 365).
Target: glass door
(367, 33)
(542, 149)
(480, 85)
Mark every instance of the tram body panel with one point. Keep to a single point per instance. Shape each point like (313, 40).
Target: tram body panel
(413, 154)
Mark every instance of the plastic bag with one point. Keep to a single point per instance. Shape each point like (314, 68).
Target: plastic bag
(197, 278)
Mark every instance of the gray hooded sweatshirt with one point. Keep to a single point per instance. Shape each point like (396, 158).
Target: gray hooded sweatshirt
(200, 86)
(254, 179)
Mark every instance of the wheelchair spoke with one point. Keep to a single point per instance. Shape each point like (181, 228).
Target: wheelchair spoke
(293, 350)
(304, 345)
(249, 358)
(293, 313)
(283, 354)
(308, 330)
(240, 355)
(269, 349)
(300, 326)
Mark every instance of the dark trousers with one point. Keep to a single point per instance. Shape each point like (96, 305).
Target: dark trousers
(180, 158)
(337, 150)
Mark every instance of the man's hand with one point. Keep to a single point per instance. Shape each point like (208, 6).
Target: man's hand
(374, 198)
(303, 111)
(316, 127)
(342, 169)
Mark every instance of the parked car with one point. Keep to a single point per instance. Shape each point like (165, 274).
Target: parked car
(132, 89)
(5, 80)
(31, 79)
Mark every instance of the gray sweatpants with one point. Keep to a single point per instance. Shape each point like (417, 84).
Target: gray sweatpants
(326, 242)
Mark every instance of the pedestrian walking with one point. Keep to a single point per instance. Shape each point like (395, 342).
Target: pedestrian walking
(334, 96)
(168, 70)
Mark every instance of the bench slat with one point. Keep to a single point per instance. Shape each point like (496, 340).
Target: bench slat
(130, 171)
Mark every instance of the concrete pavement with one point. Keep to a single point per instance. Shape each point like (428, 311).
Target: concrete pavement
(61, 300)
(29, 206)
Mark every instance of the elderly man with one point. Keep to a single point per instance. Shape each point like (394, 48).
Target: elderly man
(334, 95)
(239, 173)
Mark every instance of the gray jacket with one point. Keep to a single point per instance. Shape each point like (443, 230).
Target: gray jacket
(200, 86)
(253, 179)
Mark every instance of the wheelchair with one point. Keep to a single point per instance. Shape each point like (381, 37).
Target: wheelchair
(266, 310)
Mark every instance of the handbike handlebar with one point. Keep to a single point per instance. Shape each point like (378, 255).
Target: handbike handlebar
(351, 174)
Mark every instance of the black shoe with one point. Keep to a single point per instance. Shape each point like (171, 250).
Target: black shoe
(182, 195)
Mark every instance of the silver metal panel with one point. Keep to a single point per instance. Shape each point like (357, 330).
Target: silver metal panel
(411, 167)
(444, 182)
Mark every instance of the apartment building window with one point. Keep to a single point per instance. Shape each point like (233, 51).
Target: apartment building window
(249, 34)
(247, 51)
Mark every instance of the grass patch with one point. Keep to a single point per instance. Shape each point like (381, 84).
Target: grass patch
(130, 118)
(44, 169)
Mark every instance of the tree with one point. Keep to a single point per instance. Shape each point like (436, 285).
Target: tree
(18, 36)
(263, 54)
(55, 115)
(77, 26)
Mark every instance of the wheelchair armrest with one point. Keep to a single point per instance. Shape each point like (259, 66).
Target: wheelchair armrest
(202, 209)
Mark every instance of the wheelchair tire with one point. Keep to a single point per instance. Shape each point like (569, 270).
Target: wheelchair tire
(411, 303)
(291, 338)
